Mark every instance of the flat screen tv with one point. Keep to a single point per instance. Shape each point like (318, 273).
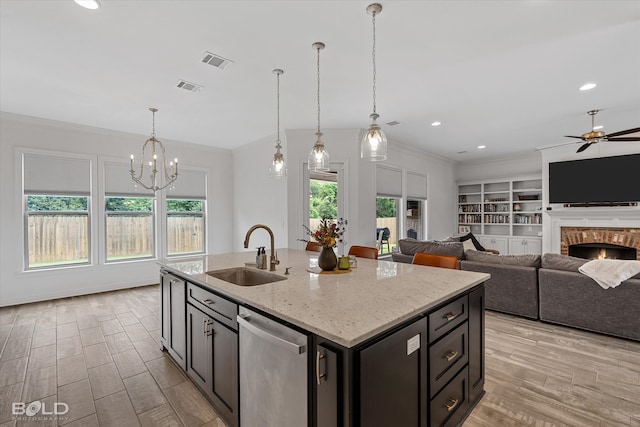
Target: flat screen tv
(602, 180)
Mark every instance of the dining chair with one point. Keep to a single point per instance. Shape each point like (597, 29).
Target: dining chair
(433, 260)
(364, 252)
(313, 246)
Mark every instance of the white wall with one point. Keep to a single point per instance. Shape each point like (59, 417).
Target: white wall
(530, 164)
(16, 132)
(360, 194)
(258, 198)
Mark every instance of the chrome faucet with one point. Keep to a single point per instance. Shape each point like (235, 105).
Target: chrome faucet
(274, 257)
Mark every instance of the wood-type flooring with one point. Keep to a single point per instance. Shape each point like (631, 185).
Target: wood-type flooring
(100, 354)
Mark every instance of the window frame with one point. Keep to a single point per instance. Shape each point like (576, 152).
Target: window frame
(153, 214)
(202, 214)
(28, 214)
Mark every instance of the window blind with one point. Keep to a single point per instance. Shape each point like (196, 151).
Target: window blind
(44, 174)
(416, 186)
(388, 182)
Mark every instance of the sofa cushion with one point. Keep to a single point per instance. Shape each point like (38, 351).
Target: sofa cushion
(412, 247)
(562, 262)
(520, 260)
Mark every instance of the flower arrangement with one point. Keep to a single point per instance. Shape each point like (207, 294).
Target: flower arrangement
(328, 233)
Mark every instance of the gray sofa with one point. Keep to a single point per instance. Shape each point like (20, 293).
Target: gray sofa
(570, 298)
(513, 286)
(409, 247)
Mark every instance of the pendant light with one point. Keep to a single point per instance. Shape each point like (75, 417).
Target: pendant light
(151, 149)
(318, 157)
(374, 143)
(278, 166)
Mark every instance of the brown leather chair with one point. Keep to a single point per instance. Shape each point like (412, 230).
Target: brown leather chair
(444, 261)
(364, 252)
(313, 247)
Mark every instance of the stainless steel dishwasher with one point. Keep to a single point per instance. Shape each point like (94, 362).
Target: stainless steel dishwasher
(273, 373)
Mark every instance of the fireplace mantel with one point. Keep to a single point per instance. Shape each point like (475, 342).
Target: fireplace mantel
(594, 217)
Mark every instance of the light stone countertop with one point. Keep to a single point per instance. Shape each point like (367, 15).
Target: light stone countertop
(344, 308)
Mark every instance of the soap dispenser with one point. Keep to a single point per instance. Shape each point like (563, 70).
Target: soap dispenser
(258, 257)
(263, 259)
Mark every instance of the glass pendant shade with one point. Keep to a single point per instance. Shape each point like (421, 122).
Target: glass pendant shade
(318, 157)
(278, 167)
(374, 143)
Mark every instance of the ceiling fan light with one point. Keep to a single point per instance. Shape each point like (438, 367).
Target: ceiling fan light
(587, 86)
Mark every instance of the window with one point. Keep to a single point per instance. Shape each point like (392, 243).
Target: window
(185, 226)
(57, 230)
(386, 219)
(56, 206)
(129, 227)
(388, 207)
(416, 205)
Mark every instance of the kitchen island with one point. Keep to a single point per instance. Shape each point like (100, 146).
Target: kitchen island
(384, 344)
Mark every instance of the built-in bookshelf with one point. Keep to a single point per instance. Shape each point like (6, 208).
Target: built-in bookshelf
(496, 208)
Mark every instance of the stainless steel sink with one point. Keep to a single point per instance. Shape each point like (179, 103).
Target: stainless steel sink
(243, 276)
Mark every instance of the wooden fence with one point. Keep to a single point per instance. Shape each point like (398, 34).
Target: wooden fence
(380, 222)
(64, 238)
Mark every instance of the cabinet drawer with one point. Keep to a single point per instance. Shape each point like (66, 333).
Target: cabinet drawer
(448, 317)
(451, 404)
(447, 357)
(217, 307)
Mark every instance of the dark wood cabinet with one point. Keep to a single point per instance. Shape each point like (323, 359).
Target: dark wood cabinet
(212, 361)
(173, 326)
(476, 344)
(328, 387)
(392, 378)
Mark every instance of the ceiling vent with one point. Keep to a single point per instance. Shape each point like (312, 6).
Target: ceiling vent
(191, 87)
(393, 123)
(216, 60)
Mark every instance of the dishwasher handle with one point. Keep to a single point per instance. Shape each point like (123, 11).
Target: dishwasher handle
(243, 320)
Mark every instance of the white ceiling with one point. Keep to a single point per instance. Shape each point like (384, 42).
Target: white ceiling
(504, 74)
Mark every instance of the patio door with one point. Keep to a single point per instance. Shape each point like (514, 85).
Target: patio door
(324, 196)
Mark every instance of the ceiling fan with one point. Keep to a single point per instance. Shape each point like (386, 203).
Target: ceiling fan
(594, 136)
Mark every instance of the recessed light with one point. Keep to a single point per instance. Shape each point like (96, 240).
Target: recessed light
(436, 123)
(89, 4)
(481, 147)
(588, 86)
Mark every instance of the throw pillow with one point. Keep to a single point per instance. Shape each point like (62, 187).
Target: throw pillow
(518, 260)
(475, 241)
(468, 245)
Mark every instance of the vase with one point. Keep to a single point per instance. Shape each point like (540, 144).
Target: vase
(327, 259)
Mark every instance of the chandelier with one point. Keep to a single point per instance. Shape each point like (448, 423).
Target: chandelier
(318, 157)
(150, 151)
(278, 166)
(374, 143)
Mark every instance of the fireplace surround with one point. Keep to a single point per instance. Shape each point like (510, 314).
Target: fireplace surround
(622, 243)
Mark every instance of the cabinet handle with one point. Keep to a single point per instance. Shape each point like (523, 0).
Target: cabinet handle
(205, 327)
(205, 302)
(319, 376)
(452, 405)
(450, 316)
(450, 355)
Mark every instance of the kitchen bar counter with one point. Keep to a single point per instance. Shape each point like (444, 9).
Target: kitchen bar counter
(345, 308)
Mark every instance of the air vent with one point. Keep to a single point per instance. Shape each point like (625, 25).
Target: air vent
(191, 87)
(462, 152)
(216, 60)
(393, 123)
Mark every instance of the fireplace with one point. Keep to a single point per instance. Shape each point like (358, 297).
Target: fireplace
(602, 251)
(600, 242)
